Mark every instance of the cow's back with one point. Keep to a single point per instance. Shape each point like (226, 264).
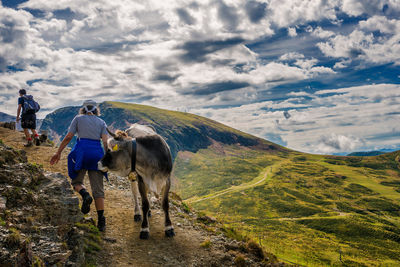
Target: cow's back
(157, 150)
(137, 130)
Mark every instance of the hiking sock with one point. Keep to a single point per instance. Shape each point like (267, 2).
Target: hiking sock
(101, 221)
(100, 213)
(83, 192)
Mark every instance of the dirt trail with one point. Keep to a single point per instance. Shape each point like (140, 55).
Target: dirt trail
(230, 190)
(129, 250)
(260, 179)
(121, 245)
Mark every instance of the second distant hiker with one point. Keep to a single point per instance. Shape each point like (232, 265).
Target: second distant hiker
(91, 130)
(27, 108)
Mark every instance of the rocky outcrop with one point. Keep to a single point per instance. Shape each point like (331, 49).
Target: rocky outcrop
(38, 214)
(9, 125)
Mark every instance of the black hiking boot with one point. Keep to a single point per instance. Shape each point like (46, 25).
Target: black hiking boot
(28, 144)
(101, 224)
(86, 201)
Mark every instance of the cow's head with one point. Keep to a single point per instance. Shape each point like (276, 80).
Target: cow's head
(118, 155)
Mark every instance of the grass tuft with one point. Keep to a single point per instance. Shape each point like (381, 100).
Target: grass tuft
(240, 261)
(206, 244)
(13, 239)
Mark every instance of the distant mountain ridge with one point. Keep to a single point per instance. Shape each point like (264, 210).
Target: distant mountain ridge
(4, 117)
(366, 153)
(374, 152)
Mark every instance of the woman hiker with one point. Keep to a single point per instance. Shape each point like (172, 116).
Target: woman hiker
(85, 155)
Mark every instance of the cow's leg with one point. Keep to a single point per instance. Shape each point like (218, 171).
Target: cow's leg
(144, 231)
(169, 229)
(135, 197)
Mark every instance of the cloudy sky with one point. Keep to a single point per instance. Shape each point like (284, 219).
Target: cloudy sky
(319, 76)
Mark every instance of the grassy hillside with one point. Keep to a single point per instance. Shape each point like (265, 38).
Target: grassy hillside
(218, 167)
(312, 210)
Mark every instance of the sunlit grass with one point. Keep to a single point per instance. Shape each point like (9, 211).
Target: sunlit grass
(308, 211)
(363, 177)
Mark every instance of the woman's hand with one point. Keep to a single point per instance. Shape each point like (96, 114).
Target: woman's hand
(55, 158)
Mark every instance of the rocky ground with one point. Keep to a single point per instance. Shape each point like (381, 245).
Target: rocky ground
(50, 228)
(38, 212)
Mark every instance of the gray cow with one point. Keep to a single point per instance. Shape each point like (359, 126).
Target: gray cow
(152, 163)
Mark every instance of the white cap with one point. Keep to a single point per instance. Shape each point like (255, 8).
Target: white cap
(89, 103)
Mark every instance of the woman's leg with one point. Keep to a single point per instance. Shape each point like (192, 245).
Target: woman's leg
(77, 183)
(79, 187)
(96, 182)
(99, 203)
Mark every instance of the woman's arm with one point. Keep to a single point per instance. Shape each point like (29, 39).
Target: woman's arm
(104, 138)
(56, 157)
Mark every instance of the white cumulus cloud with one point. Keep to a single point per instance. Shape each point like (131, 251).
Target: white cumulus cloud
(337, 143)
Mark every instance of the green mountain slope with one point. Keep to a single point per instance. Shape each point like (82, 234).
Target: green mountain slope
(310, 209)
(307, 209)
(182, 131)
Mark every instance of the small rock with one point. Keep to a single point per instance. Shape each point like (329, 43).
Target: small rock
(89, 220)
(3, 202)
(110, 239)
(71, 201)
(206, 219)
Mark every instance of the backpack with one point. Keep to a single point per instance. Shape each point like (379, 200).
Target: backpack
(30, 106)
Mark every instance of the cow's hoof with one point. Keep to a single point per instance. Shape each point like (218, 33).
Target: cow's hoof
(169, 233)
(149, 213)
(137, 218)
(144, 235)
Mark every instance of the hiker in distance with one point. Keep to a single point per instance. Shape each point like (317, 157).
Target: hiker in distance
(29, 107)
(90, 130)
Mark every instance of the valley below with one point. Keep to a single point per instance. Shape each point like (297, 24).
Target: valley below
(311, 210)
